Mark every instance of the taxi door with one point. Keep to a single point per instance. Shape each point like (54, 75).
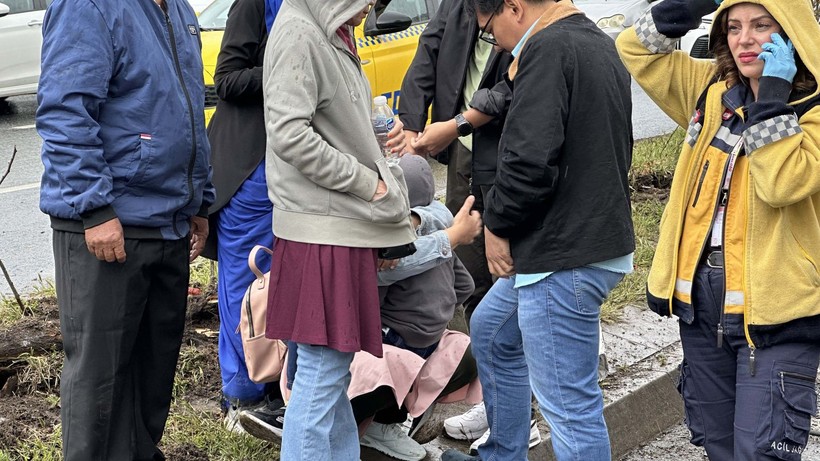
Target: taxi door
(386, 53)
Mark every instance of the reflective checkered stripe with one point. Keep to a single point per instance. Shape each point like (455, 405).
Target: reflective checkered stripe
(769, 131)
(693, 131)
(649, 36)
(411, 31)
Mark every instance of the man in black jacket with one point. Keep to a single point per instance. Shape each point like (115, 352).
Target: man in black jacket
(558, 227)
(449, 66)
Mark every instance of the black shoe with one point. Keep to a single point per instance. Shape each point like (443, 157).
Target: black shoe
(265, 422)
(455, 455)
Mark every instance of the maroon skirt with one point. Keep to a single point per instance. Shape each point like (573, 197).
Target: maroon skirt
(324, 295)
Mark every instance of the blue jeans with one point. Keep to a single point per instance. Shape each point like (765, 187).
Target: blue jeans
(319, 423)
(244, 222)
(543, 338)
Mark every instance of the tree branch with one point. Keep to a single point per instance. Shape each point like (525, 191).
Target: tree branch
(8, 168)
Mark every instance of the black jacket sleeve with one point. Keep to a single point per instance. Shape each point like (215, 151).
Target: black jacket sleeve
(419, 85)
(533, 138)
(492, 101)
(674, 18)
(239, 66)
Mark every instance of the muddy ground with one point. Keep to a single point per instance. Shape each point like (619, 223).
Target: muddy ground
(29, 401)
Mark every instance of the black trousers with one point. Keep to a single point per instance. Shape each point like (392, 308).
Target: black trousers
(473, 256)
(122, 329)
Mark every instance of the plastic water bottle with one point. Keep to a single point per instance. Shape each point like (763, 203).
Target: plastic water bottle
(382, 119)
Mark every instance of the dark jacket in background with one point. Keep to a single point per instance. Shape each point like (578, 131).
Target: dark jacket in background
(237, 129)
(437, 73)
(561, 194)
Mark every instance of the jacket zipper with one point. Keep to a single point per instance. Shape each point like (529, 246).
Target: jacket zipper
(723, 200)
(700, 183)
(192, 160)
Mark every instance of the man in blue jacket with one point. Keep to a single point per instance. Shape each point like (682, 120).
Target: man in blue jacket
(127, 186)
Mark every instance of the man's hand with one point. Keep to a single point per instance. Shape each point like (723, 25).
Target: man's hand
(396, 140)
(467, 225)
(199, 234)
(410, 138)
(106, 241)
(381, 191)
(499, 258)
(435, 138)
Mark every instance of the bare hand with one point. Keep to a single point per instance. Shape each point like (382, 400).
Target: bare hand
(499, 258)
(467, 225)
(199, 234)
(395, 138)
(381, 191)
(106, 241)
(435, 138)
(387, 264)
(410, 138)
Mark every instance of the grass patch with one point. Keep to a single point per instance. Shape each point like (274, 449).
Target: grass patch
(653, 163)
(203, 433)
(10, 311)
(48, 448)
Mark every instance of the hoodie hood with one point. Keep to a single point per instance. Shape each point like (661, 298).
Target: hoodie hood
(796, 17)
(330, 14)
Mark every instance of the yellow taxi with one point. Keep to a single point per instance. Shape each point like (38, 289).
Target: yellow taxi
(386, 40)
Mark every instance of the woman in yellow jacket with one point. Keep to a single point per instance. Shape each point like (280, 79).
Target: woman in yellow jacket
(739, 249)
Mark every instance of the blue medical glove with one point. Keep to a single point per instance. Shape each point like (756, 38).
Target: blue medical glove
(778, 58)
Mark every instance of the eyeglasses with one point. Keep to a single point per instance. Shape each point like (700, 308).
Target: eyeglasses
(485, 36)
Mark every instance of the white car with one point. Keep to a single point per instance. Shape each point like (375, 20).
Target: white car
(613, 16)
(696, 41)
(21, 35)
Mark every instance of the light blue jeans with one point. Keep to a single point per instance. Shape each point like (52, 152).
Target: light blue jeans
(543, 338)
(319, 423)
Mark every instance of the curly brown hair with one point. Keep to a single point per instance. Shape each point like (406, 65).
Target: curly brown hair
(726, 69)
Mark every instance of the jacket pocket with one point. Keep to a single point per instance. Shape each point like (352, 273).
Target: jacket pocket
(785, 432)
(691, 407)
(700, 183)
(395, 205)
(129, 168)
(807, 264)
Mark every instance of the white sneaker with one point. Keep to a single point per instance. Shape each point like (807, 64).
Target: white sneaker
(469, 426)
(391, 440)
(232, 421)
(535, 438)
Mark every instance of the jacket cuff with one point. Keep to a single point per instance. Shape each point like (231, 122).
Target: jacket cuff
(366, 186)
(489, 102)
(774, 89)
(98, 216)
(769, 131)
(651, 38)
(203, 210)
(772, 101)
(674, 18)
(413, 122)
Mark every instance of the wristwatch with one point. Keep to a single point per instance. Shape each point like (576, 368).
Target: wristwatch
(463, 126)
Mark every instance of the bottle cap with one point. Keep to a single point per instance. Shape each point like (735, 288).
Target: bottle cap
(380, 101)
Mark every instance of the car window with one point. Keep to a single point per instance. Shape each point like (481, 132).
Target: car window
(414, 9)
(20, 6)
(215, 15)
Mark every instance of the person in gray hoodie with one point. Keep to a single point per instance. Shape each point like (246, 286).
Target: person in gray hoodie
(336, 202)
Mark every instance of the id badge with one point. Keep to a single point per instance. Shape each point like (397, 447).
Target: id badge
(717, 227)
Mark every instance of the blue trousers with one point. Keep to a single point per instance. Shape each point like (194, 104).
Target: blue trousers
(244, 222)
(736, 411)
(543, 338)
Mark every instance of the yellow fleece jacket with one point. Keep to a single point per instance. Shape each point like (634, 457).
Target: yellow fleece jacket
(772, 260)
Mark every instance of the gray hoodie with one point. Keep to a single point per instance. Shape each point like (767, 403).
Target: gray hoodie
(323, 161)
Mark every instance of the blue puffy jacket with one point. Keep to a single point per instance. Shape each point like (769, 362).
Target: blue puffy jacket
(120, 112)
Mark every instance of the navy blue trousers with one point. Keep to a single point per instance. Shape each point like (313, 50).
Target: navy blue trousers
(735, 411)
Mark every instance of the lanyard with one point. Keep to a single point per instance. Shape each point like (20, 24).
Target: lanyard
(717, 225)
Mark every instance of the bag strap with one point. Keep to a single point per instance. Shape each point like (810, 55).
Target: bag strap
(260, 277)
